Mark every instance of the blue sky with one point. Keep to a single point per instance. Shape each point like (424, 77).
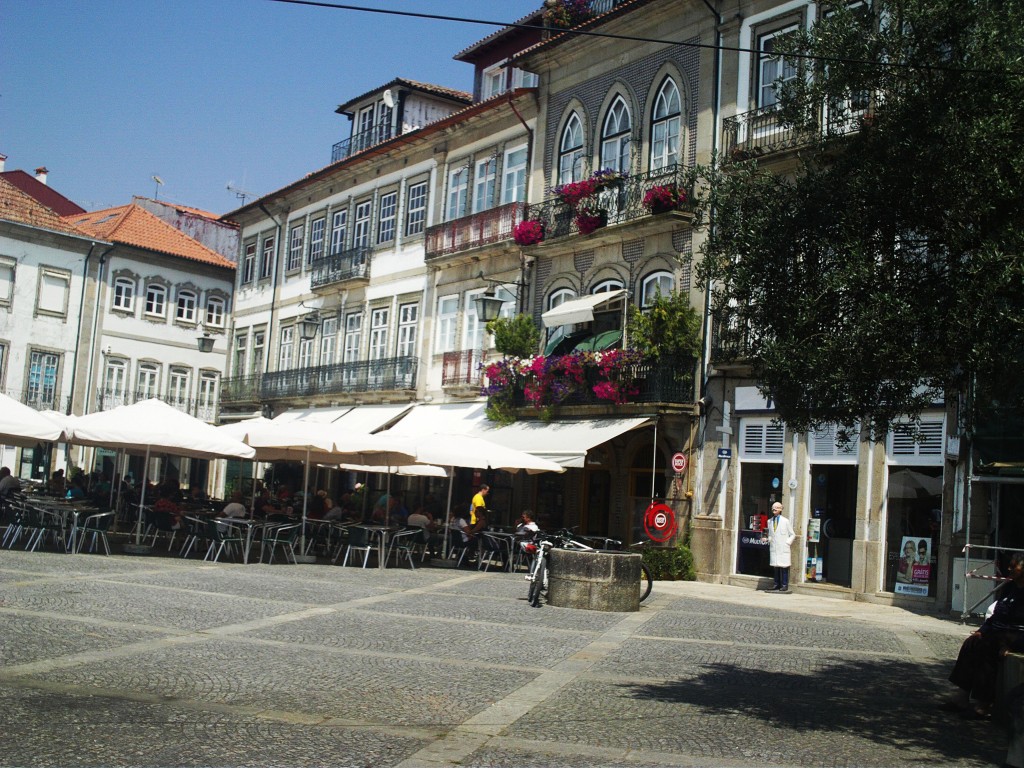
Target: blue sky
(108, 93)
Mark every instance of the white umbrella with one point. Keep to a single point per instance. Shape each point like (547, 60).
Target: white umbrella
(448, 450)
(409, 470)
(24, 426)
(153, 426)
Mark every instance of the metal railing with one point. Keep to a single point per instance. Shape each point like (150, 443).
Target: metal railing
(340, 266)
(730, 338)
(357, 142)
(387, 374)
(766, 130)
(241, 390)
(617, 204)
(40, 401)
(462, 368)
(472, 231)
(108, 399)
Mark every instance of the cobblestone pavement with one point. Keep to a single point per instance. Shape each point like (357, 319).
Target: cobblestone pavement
(145, 661)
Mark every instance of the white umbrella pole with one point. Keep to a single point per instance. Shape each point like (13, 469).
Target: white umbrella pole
(448, 515)
(305, 502)
(115, 480)
(252, 502)
(142, 500)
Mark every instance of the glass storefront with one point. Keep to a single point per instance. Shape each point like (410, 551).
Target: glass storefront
(760, 487)
(914, 503)
(831, 527)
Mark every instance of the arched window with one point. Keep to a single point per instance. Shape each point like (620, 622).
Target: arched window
(124, 294)
(156, 300)
(654, 285)
(665, 126)
(606, 286)
(615, 137)
(560, 296)
(187, 303)
(215, 306)
(570, 151)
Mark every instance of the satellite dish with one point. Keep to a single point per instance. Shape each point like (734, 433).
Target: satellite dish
(389, 99)
(158, 180)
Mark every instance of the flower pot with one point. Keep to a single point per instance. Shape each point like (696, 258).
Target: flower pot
(587, 223)
(661, 206)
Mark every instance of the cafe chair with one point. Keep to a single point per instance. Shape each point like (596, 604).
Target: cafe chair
(95, 526)
(195, 532)
(161, 522)
(493, 549)
(457, 548)
(222, 536)
(282, 536)
(406, 543)
(358, 540)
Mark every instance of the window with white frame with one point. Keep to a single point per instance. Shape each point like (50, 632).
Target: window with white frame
(483, 184)
(54, 287)
(306, 348)
(416, 209)
(206, 402)
(408, 316)
(7, 281)
(666, 120)
(114, 383)
(353, 336)
(241, 344)
(447, 322)
(556, 299)
(654, 285)
(187, 307)
(384, 113)
(295, 247)
(606, 286)
(615, 137)
(361, 229)
(249, 264)
(215, 309)
(570, 151)
(286, 348)
(339, 225)
(42, 380)
(493, 81)
(316, 239)
(472, 328)
(524, 79)
(156, 300)
(378, 334)
(772, 69)
(458, 189)
(328, 340)
(124, 294)
(513, 182)
(267, 257)
(147, 381)
(388, 216)
(177, 387)
(3, 363)
(259, 343)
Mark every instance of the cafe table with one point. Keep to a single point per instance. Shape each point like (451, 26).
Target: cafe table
(248, 525)
(380, 532)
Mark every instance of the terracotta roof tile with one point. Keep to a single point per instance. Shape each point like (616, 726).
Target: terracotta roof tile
(134, 225)
(19, 206)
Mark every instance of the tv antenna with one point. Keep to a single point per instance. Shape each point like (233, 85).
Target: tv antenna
(241, 194)
(159, 183)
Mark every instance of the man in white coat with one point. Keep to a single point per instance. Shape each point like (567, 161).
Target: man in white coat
(780, 535)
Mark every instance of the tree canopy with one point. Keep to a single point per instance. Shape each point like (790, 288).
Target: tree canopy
(884, 264)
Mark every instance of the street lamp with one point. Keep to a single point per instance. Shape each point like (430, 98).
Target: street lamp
(205, 343)
(309, 325)
(488, 306)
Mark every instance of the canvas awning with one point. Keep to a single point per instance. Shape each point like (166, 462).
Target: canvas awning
(428, 419)
(563, 442)
(319, 415)
(579, 310)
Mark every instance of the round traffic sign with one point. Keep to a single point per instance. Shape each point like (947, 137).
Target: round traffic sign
(679, 462)
(659, 522)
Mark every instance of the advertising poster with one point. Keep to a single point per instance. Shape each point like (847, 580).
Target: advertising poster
(814, 530)
(914, 569)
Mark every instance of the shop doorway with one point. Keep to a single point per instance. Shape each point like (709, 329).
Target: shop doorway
(760, 487)
(645, 481)
(832, 526)
(597, 493)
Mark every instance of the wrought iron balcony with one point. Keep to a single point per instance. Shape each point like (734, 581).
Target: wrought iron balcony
(483, 228)
(384, 375)
(357, 142)
(730, 338)
(40, 400)
(617, 204)
(765, 130)
(342, 266)
(108, 399)
(241, 390)
(462, 368)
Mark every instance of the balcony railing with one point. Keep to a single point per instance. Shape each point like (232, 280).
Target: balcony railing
(765, 130)
(620, 203)
(357, 142)
(241, 390)
(40, 400)
(730, 338)
(461, 368)
(482, 228)
(108, 399)
(387, 374)
(341, 266)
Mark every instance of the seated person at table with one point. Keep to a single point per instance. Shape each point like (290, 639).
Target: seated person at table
(335, 512)
(420, 519)
(977, 665)
(264, 504)
(235, 507)
(56, 485)
(167, 506)
(75, 490)
(526, 525)
(197, 494)
(8, 482)
(170, 488)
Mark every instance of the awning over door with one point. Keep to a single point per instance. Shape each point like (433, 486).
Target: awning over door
(564, 442)
(579, 310)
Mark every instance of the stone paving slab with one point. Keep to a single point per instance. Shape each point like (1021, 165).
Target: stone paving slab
(54, 636)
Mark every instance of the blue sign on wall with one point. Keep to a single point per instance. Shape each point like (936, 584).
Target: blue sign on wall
(725, 453)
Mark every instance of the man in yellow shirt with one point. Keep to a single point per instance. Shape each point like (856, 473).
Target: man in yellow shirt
(478, 509)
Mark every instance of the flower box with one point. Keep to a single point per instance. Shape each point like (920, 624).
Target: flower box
(528, 232)
(663, 198)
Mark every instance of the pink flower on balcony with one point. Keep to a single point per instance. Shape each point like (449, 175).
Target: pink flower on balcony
(528, 232)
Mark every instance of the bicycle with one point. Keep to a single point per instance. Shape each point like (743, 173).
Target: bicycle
(566, 539)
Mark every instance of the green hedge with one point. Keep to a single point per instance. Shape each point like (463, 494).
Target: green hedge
(670, 563)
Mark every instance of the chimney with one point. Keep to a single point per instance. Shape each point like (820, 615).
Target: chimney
(41, 174)
(3, 162)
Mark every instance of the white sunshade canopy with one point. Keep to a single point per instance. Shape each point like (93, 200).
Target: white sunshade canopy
(408, 470)
(461, 450)
(24, 426)
(152, 426)
(579, 310)
(563, 442)
(322, 443)
(445, 418)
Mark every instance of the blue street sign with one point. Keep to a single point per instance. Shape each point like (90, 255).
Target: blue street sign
(725, 453)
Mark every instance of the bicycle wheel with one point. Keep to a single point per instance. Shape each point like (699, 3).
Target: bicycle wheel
(646, 582)
(538, 582)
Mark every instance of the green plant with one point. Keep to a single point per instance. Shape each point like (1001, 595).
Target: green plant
(671, 563)
(515, 336)
(668, 326)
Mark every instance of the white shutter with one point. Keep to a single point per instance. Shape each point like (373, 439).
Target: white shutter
(824, 447)
(761, 438)
(926, 449)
